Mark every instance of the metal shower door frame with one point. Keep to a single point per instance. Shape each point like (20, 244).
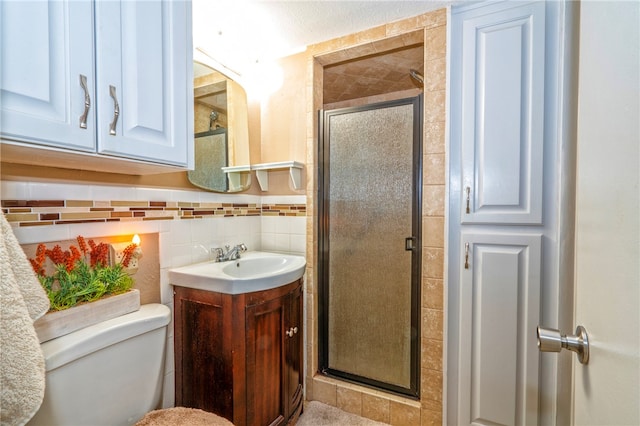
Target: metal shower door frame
(413, 391)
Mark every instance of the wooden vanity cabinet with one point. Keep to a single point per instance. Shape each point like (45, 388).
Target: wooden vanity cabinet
(240, 356)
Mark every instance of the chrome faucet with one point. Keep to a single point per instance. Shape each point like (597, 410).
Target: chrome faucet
(228, 253)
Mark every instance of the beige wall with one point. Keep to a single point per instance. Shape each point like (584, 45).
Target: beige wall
(284, 124)
(279, 126)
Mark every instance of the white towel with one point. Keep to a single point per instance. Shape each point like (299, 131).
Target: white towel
(22, 301)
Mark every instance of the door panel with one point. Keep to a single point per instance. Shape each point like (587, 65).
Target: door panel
(500, 305)
(294, 359)
(45, 47)
(140, 60)
(502, 115)
(205, 382)
(370, 248)
(607, 390)
(265, 328)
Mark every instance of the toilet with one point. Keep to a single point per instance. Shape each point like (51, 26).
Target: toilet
(110, 373)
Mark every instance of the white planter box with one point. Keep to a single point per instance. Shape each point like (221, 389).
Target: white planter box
(59, 323)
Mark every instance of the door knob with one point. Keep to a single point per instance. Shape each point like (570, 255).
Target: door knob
(550, 340)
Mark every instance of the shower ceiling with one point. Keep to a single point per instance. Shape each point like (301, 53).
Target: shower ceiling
(372, 75)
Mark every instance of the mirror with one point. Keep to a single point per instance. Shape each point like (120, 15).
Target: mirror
(221, 132)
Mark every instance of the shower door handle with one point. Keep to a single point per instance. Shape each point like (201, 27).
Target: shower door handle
(409, 243)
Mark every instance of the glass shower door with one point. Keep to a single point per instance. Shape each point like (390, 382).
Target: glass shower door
(370, 228)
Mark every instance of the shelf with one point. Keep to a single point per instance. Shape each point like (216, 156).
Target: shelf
(262, 172)
(235, 175)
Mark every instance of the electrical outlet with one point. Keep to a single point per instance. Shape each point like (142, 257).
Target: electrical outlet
(116, 254)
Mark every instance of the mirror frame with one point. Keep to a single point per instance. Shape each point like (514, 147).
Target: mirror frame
(236, 144)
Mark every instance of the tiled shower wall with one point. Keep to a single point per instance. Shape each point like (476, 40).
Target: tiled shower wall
(374, 404)
(188, 224)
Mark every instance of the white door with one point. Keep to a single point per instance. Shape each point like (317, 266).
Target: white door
(607, 389)
(144, 73)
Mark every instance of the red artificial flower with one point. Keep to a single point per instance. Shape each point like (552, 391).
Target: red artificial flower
(82, 244)
(127, 254)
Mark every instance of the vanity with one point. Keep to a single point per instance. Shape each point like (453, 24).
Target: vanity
(238, 332)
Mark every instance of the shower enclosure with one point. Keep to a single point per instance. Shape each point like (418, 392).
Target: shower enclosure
(369, 244)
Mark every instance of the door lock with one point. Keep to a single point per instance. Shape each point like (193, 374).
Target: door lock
(550, 340)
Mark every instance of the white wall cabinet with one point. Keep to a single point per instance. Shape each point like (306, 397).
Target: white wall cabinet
(502, 98)
(510, 197)
(46, 48)
(500, 284)
(131, 61)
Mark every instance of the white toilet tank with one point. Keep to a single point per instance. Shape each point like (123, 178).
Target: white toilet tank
(110, 373)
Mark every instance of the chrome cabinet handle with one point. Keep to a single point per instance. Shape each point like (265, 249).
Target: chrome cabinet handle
(87, 101)
(466, 255)
(291, 331)
(468, 191)
(116, 110)
(550, 340)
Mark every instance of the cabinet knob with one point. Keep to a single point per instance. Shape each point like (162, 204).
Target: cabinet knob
(290, 332)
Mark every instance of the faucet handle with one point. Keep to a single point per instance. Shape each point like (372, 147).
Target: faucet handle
(242, 247)
(218, 253)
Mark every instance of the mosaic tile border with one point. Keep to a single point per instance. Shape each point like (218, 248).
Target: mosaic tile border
(65, 212)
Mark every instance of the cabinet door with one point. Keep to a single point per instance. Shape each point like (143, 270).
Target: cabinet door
(500, 82)
(204, 377)
(144, 80)
(500, 291)
(293, 363)
(510, 145)
(46, 47)
(265, 340)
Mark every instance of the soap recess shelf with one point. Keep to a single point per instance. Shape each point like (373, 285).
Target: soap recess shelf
(262, 172)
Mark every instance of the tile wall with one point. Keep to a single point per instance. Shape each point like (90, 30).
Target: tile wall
(188, 223)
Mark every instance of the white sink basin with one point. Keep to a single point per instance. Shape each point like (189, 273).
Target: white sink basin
(254, 271)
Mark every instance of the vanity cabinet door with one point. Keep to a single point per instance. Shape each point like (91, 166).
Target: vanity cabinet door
(47, 47)
(274, 359)
(204, 376)
(144, 80)
(265, 339)
(294, 355)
